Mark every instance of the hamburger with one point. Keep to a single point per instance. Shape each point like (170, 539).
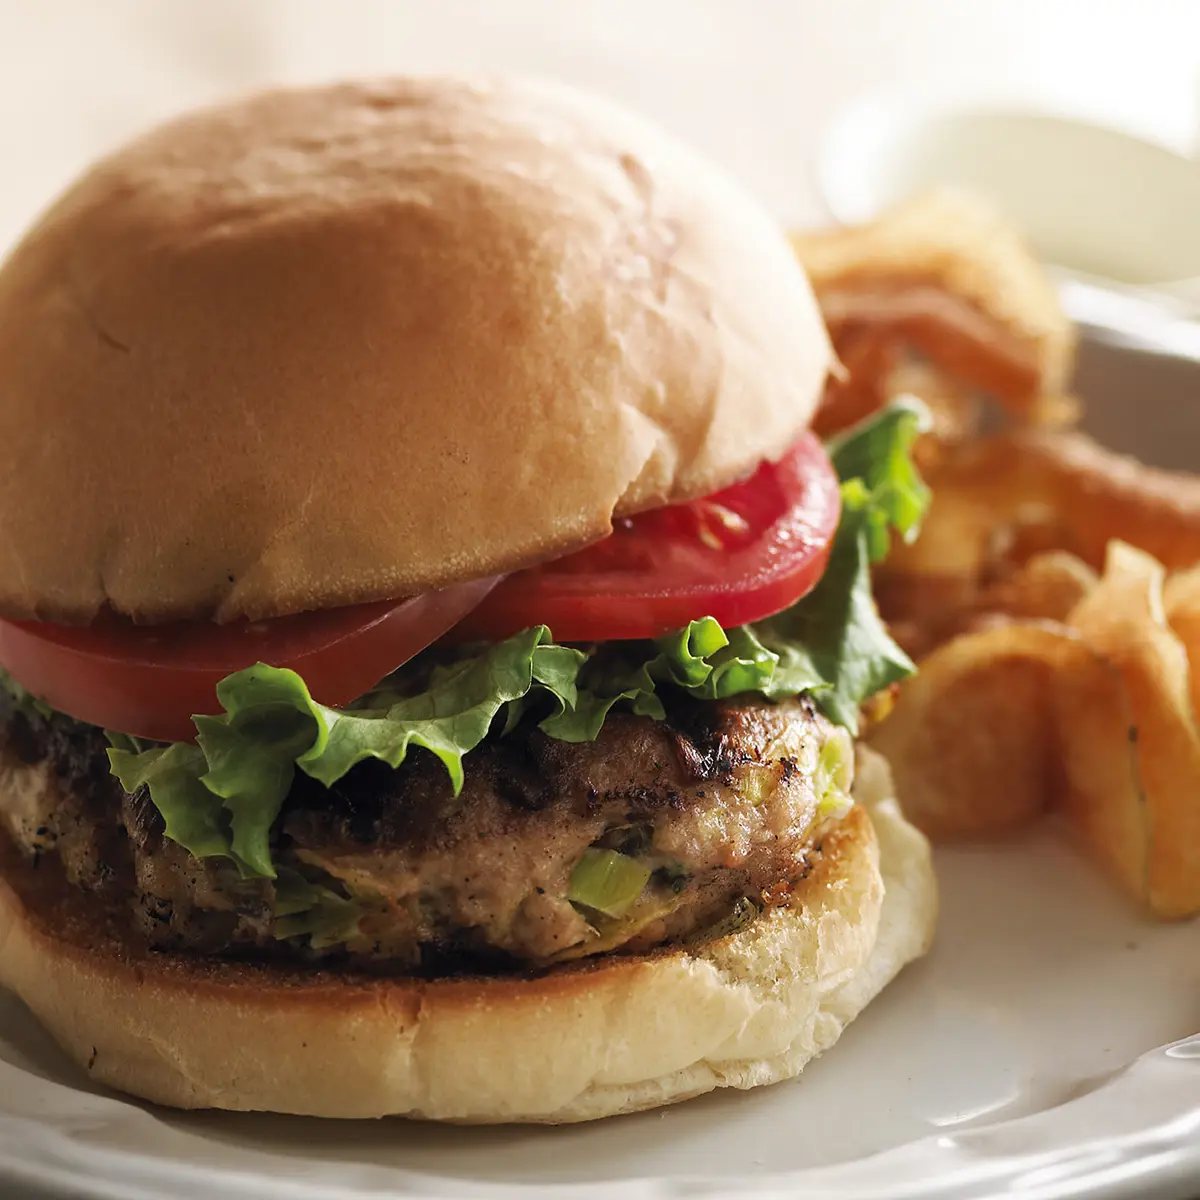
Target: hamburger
(433, 641)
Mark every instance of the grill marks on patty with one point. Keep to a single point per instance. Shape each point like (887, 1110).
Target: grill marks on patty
(58, 797)
(718, 802)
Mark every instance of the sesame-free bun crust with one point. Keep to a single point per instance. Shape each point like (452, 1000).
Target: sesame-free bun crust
(611, 1036)
(345, 343)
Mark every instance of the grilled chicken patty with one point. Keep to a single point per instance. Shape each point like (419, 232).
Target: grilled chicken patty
(703, 817)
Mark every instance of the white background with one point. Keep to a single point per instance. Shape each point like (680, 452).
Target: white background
(751, 82)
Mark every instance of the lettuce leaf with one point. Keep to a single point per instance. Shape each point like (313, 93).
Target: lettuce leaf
(833, 643)
(701, 659)
(224, 794)
(238, 775)
(192, 814)
(314, 911)
(878, 453)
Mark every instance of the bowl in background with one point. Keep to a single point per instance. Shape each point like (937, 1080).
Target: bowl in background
(1115, 217)
(1090, 199)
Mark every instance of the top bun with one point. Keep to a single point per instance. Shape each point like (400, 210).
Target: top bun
(345, 343)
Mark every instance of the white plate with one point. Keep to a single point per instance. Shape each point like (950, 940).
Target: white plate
(1044, 1049)
(1019, 1058)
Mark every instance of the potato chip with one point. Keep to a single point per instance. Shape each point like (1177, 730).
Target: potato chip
(1181, 600)
(978, 536)
(860, 387)
(947, 274)
(1181, 592)
(985, 502)
(1094, 494)
(876, 370)
(1131, 750)
(934, 602)
(1100, 791)
(1042, 684)
(954, 411)
(1045, 587)
(1001, 501)
(971, 739)
(1012, 714)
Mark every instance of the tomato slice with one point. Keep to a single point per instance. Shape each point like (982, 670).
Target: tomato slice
(148, 680)
(740, 555)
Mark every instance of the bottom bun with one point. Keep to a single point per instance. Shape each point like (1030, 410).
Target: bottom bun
(588, 1040)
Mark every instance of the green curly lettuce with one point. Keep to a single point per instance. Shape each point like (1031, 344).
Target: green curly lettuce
(877, 455)
(314, 911)
(223, 794)
(833, 643)
(192, 813)
(702, 659)
(246, 758)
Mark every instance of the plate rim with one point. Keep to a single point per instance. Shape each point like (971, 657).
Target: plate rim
(1155, 1158)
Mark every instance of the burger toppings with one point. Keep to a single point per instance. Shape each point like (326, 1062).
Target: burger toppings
(656, 831)
(149, 680)
(741, 555)
(744, 554)
(557, 811)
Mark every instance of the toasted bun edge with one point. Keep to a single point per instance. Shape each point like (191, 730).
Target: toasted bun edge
(610, 1036)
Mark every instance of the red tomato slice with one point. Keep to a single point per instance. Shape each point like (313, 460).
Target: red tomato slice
(740, 555)
(148, 680)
